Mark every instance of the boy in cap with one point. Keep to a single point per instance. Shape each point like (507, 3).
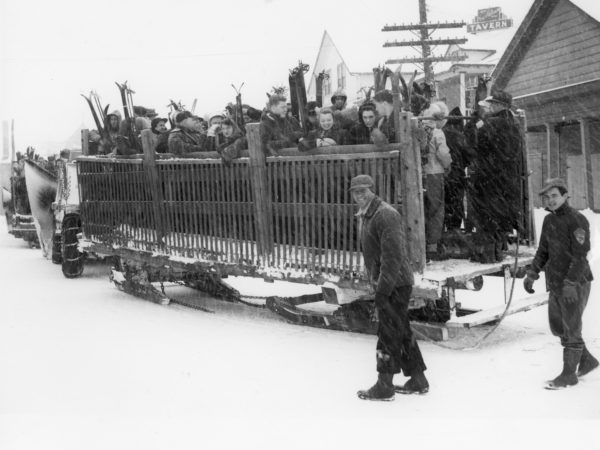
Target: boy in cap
(564, 244)
(160, 134)
(384, 250)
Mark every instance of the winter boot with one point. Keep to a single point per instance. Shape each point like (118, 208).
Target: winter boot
(383, 390)
(587, 363)
(571, 357)
(417, 384)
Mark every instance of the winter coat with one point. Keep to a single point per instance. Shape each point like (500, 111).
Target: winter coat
(562, 251)
(277, 133)
(497, 168)
(162, 144)
(159, 142)
(457, 143)
(345, 118)
(384, 247)
(337, 134)
(182, 141)
(232, 147)
(386, 131)
(438, 157)
(359, 133)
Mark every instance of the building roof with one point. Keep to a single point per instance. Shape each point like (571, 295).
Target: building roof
(363, 58)
(590, 7)
(359, 53)
(527, 32)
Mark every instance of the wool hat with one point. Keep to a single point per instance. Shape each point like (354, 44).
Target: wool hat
(156, 121)
(501, 97)
(360, 182)
(181, 116)
(553, 183)
(339, 93)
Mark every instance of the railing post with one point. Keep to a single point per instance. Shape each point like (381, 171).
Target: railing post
(412, 190)
(153, 183)
(85, 142)
(410, 179)
(263, 205)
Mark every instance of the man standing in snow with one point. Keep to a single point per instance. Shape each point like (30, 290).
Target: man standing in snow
(386, 260)
(564, 244)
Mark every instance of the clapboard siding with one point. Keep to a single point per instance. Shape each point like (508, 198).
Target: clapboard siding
(565, 110)
(565, 51)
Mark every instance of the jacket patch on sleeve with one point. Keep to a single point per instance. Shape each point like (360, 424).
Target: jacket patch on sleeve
(580, 235)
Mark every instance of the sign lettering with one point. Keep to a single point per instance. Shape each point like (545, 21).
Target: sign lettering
(489, 19)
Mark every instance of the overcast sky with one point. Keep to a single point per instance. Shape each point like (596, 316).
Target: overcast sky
(52, 51)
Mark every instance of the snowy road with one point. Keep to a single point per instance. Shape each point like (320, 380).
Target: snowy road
(84, 366)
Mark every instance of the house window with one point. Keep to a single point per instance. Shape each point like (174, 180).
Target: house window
(341, 76)
(327, 83)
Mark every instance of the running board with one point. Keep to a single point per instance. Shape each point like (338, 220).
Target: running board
(493, 314)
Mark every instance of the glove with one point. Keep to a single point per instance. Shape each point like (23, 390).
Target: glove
(569, 292)
(528, 284)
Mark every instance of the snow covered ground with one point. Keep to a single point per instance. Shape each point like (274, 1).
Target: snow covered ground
(84, 366)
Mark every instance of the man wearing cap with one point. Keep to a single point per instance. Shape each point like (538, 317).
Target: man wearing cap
(562, 254)
(345, 117)
(184, 138)
(160, 135)
(385, 254)
(496, 173)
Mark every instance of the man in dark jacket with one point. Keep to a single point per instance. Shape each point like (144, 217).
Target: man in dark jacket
(386, 261)
(562, 254)
(385, 132)
(276, 131)
(185, 138)
(360, 132)
(496, 173)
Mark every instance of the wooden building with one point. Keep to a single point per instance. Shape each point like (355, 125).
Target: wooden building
(552, 69)
(352, 71)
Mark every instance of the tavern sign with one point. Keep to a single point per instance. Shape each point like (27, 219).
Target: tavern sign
(489, 19)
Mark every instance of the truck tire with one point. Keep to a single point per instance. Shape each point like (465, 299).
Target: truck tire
(72, 258)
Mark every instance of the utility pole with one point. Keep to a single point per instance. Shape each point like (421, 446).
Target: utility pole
(425, 49)
(424, 30)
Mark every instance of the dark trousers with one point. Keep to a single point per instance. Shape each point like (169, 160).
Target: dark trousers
(454, 192)
(397, 348)
(565, 318)
(434, 207)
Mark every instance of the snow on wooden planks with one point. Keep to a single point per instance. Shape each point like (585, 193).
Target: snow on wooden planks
(492, 314)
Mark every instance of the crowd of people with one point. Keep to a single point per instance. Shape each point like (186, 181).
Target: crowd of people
(489, 147)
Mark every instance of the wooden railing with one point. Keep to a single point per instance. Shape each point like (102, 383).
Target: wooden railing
(291, 212)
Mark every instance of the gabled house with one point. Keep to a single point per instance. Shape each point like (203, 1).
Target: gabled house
(351, 71)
